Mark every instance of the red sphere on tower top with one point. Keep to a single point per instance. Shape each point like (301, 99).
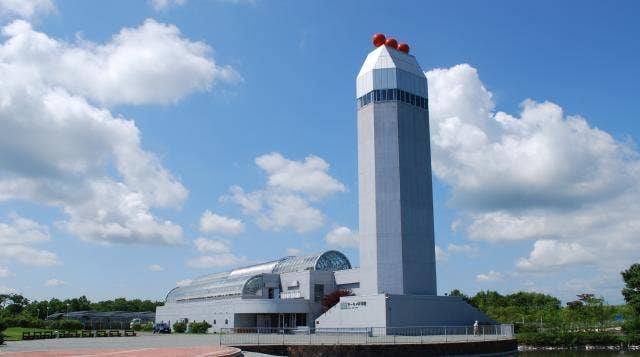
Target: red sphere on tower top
(403, 47)
(378, 39)
(391, 42)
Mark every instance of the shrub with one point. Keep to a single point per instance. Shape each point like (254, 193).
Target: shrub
(66, 325)
(143, 327)
(199, 327)
(331, 299)
(179, 327)
(25, 321)
(568, 339)
(3, 326)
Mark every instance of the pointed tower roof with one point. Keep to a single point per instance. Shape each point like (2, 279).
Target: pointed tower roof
(385, 57)
(388, 68)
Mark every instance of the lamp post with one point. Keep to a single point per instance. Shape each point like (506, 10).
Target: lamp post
(67, 312)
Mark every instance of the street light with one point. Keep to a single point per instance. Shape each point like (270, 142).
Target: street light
(67, 311)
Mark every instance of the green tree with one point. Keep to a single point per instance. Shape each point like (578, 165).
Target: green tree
(631, 293)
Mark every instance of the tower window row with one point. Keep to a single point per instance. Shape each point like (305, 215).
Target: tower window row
(398, 95)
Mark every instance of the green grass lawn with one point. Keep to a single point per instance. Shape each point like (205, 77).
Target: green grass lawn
(15, 333)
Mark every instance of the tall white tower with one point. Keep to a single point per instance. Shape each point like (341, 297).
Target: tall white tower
(397, 251)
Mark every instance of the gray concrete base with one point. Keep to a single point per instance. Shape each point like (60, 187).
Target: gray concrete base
(384, 310)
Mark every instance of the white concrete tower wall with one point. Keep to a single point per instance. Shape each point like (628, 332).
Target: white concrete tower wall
(397, 251)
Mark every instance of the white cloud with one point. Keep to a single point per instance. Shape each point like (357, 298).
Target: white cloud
(160, 5)
(211, 246)
(309, 177)
(184, 282)
(213, 223)
(293, 251)
(490, 277)
(223, 260)
(7, 290)
(55, 282)
(466, 249)
(22, 231)
(5, 272)
(26, 8)
(86, 160)
(550, 255)
(342, 237)
(118, 72)
(155, 267)
(17, 237)
(292, 187)
(29, 256)
(441, 255)
(541, 175)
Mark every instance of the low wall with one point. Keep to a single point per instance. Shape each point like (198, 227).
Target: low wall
(502, 347)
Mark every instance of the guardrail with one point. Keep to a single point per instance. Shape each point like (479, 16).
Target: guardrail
(244, 336)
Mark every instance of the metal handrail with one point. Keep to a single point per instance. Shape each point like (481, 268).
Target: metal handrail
(364, 335)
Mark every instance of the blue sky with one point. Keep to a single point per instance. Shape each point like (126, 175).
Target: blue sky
(140, 117)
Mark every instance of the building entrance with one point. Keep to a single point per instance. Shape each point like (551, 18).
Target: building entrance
(281, 320)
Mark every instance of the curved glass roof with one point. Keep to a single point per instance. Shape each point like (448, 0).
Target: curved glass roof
(247, 281)
(330, 260)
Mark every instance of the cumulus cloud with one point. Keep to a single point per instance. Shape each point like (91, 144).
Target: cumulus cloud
(5, 272)
(309, 177)
(223, 260)
(59, 145)
(540, 175)
(490, 277)
(155, 267)
(444, 254)
(552, 255)
(55, 282)
(291, 190)
(17, 237)
(441, 255)
(118, 72)
(211, 246)
(465, 249)
(25, 8)
(293, 251)
(184, 282)
(214, 223)
(7, 290)
(342, 237)
(160, 5)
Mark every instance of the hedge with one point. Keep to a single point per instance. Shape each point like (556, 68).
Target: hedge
(143, 327)
(179, 327)
(66, 325)
(569, 339)
(199, 327)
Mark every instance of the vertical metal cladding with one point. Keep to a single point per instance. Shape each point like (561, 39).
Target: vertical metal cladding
(397, 251)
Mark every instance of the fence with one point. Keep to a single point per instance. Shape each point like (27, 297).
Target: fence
(366, 335)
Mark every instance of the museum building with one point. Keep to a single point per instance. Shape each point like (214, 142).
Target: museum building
(395, 285)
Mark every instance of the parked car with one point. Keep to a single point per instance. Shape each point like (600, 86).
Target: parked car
(161, 327)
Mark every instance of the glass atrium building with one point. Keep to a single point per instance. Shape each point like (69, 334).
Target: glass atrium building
(287, 292)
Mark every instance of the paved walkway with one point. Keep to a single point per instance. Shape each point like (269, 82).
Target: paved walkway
(142, 345)
(141, 352)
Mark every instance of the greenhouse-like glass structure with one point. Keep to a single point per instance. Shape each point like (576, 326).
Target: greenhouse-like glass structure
(247, 282)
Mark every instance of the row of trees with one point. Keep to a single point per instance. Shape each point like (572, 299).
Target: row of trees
(13, 305)
(531, 311)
